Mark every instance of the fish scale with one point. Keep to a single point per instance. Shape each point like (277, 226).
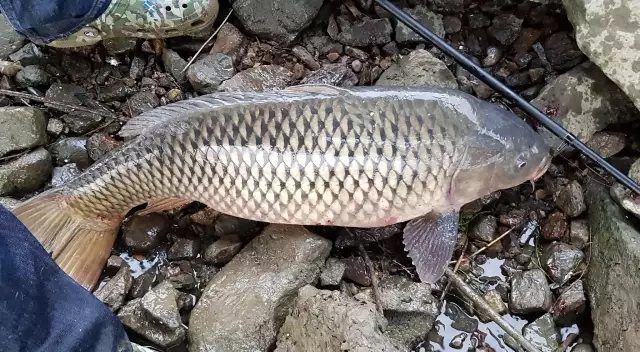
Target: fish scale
(307, 155)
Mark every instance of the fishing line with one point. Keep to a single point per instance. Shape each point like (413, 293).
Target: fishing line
(499, 87)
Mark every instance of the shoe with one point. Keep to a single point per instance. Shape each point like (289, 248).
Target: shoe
(148, 19)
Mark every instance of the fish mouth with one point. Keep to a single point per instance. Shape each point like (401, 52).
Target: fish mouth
(542, 169)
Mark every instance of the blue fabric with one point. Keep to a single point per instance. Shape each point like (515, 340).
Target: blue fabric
(43, 21)
(42, 309)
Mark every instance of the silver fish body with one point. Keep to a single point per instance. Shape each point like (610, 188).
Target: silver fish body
(317, 155)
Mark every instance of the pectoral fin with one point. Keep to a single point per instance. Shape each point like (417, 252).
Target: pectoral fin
(430, 241)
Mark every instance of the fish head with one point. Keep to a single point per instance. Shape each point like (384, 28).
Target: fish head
(503, 152)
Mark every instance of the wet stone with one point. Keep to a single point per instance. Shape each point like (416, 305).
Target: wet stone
(63, 174)
(478, 20)
(458, 341)
(530, 292)
(29, 54)
(356, 53)
(461, 320)
(155, 316)
(259, 79)
(222, 251)
(365, 235)
(518, 80)
(174, 64)
(114, 292)
(494, 55)
(583, 347)
(607, 144)
(560, 260)
(368, 32)
(143, 233)
(114, 263)
(422, 14)
(243, 229)
(77, 68)
(543, 334)
(141, 102)
(419, 68)
(571, 301)
(332, 272)
(184, 248)
(22, 128)
(81, 122)
(355, 270)
(117, 91)
(206, 216)
(562, 51)
(119, 46)
(143, 283)
(100, 144)
(305, 56)
(70, 150)
(229, 41)
(25, 174)
(451, 24)
(33, 76)
(495, 302)
(333, 74)
(483, 228)
(579, 233)
(555, 226)
(526, 39)
(570, 199)
(505, 28)
(208, 73)
(625, 198)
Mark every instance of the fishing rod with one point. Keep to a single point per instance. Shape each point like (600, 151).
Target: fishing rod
(498, 86)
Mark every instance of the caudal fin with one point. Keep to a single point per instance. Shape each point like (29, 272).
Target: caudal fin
(79, 244)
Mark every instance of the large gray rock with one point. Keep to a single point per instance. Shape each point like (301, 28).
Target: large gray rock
(530, 292)
(613, 279)
(207, 73)
(279, 20)
(10, 40)
(607, 32)
(259, 79)
(584, 101)
(332, 321)
(422, 14)
(22, 128)
(25, 174)
(543, 334)
(244, 305)
(419, 68)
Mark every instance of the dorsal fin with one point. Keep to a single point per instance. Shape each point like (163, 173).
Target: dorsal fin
(318, 88)
(152, 119)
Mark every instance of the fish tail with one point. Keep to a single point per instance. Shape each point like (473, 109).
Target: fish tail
(79, 244)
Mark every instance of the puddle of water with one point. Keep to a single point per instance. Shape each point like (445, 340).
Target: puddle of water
(138, 267)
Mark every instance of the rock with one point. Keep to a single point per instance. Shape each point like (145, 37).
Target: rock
(355, 270)
(70, 150)
(451, 24)
(141, 102)
(184, 248)
(484, 228)
(244, 305)
(156, 316)
(460, 320)
(478, 20)
(530, 292)
(543, 334)
(582, 347)
(206, 216)
(143, 283)
(9, 203)
(119, 46)
(419, 68)
(230, 41)
(584, 101)
(231, 226)
(606, 35)
(114, 263)
(634, 171)
(55, 127)
(30, 54)
(100, 144)
(409, 308)
(33, 76)
(208, 73)
(305, 56)
(25, 174)
(259, 79)
(607, 144)
(560, 260)
(495, 302)
(66, 93)
(64, 174)
(571, 301)
(579, 233)
(76, 67)
(10, 40)
(625, 198)
(505, 28)
(332, 272)
(570, 199)
(81, 122)
(494, 55)
(143, 233)
(555, 226)
(332, 74)
(22, 128)
(366, 33)
(280, 20)
(174, 64)
(117, 91)
(222, 251)
(366, 235)
(422, 14)
(562, 51)
(612, 288)
(114, 292)
(458, 341)
(324, 320)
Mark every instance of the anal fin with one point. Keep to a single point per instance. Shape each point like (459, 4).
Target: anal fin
(430, 241)
(158, 205)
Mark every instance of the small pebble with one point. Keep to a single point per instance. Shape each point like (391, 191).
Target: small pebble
(222, 251)
(555, 226)
(579, 233)
(332, 272)
(458, 341)
(494, 55)
(570, 199)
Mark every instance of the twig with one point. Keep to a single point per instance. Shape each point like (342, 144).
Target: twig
(455, 269)
(374, 278)
(480, 302)
(207, 42)
(54, 104)
(487, 246)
